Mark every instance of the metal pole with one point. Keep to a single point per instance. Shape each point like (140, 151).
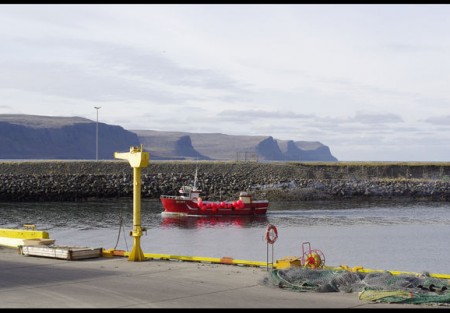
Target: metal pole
(136, 253)
(96, 136)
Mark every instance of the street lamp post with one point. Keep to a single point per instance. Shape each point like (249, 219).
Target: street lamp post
(96, 136)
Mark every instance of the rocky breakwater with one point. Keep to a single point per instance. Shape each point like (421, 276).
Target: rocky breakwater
(85, 180)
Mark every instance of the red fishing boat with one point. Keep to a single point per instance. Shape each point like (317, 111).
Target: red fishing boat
(189, 202)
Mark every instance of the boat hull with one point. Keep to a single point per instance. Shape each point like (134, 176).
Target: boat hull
(176, 205)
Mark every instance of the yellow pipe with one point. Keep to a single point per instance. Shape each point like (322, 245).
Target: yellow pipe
(223, 260)
(228, 260)
(365, 270)
(159, 256)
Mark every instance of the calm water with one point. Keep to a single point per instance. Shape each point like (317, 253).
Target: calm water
(391, 236)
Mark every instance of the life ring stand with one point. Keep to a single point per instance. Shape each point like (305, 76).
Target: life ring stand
(271, 234)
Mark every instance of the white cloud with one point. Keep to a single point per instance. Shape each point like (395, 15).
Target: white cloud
(369, 81)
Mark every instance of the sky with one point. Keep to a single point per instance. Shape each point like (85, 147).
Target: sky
(370, 81)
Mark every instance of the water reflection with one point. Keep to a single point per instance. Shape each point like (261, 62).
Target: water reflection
(212, 221)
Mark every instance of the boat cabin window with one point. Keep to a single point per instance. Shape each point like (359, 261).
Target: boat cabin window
(185, 191)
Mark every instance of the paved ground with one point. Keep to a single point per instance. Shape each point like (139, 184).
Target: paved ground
(38, 282)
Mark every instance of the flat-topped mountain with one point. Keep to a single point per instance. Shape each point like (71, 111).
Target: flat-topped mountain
(56, 137)
(218, 146)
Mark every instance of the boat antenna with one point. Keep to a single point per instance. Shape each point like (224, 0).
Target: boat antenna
(195, 176)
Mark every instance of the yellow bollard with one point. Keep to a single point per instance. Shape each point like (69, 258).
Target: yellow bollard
(137, 159)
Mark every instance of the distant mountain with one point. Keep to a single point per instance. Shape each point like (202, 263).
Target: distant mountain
(168, 145)
(55, 137)
(218, 146)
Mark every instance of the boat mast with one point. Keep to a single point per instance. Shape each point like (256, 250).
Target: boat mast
(195, 179)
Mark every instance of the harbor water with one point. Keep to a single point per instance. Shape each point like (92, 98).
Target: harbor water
(401, 236)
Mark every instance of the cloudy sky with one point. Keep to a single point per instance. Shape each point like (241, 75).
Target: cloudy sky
(372, 82)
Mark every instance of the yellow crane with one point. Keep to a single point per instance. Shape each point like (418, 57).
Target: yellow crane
(138, 159)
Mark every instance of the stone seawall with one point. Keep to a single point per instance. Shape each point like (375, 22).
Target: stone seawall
(85, 180)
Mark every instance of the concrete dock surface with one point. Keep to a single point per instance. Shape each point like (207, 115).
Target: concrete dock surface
(115, 282)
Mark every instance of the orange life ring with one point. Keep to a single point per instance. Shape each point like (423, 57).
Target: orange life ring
(271, 234)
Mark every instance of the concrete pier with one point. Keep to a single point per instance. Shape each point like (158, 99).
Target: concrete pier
(115, 282)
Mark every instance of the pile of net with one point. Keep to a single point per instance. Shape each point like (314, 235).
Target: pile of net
(376, 286)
